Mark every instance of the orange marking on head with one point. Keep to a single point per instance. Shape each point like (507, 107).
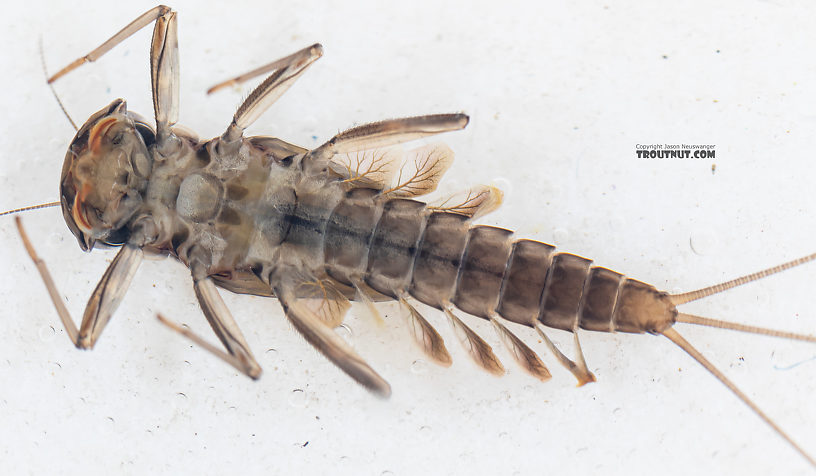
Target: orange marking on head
(98, 131)
(78, 210)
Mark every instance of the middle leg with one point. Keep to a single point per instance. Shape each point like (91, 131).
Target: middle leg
(285, 72)
(223, 324)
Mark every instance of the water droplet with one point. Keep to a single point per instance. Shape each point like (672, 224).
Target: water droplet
(419, 366)
(704, 242)
(47, 333)
(387, 473)
(55, 239)
(297, 398)
(180, 402)
(560, 236)
(344, 331)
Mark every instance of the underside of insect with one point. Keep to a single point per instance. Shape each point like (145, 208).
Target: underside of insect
(318, 228)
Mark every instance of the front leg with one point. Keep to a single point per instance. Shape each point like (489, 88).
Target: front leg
(105, 298)
(164, 68)
(164, 78)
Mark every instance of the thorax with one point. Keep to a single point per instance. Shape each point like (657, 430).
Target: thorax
(230, 207)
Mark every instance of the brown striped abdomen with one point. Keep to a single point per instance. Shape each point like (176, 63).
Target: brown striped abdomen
(398, 247)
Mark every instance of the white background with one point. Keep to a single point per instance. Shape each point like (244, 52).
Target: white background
(559, 95)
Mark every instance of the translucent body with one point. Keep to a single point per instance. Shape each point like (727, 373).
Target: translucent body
(244, 213)
(398, 246)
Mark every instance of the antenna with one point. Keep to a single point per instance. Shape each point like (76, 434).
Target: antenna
(32, 207)
(51, 87)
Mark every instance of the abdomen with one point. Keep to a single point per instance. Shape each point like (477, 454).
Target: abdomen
(398, 247)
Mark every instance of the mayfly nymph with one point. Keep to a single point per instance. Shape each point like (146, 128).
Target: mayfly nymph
(318, 228)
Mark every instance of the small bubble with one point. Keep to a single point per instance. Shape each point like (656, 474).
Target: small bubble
(387, 473)
(419, 367)
(297, 398)
(560, 236)
(180, 402)
(704, 242)
(55, 239)
(344, 331)
(47, 333)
